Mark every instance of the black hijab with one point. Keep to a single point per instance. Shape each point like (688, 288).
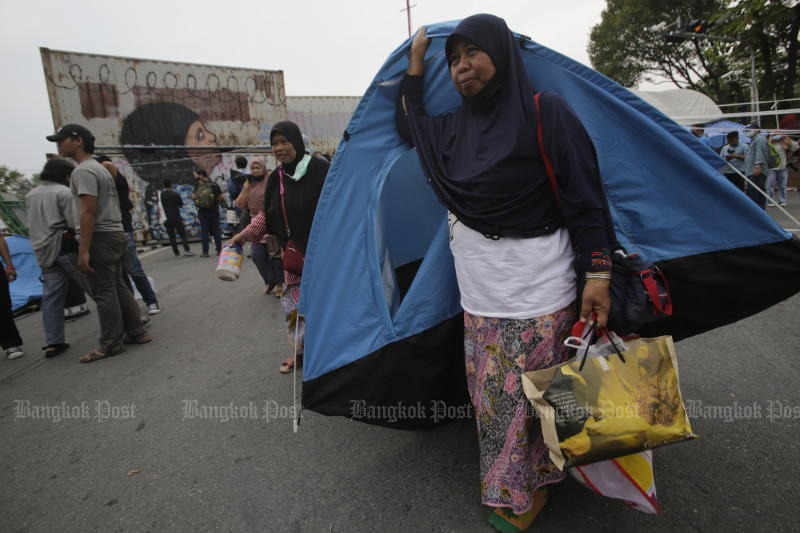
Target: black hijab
(301, 196)
(483, 161)
(291, 131)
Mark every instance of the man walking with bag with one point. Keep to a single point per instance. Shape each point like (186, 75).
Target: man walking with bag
(102, 244)
(207, 197)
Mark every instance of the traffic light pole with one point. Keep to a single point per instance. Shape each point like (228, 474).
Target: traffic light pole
(753, 80)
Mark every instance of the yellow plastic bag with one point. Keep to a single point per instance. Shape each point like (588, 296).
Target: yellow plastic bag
(610, 408)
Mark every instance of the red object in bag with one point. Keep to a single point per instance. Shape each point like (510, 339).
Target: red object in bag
(293, 258)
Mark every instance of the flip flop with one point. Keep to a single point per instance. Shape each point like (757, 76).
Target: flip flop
(52, 350)
(138, 339)
(287, 366)
(97, 354)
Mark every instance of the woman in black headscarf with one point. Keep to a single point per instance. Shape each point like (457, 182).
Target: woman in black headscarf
(290, 201)
(511, 239)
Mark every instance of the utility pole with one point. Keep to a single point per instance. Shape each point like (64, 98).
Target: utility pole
(408, 13)
(698, 29)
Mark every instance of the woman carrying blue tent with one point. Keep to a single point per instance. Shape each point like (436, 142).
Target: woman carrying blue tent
(512, 242)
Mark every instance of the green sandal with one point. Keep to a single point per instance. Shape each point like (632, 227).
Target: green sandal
(505, 521)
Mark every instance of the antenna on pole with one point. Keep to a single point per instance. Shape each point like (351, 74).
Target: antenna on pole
(408, 13)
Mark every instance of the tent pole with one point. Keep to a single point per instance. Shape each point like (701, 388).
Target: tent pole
(295, 409)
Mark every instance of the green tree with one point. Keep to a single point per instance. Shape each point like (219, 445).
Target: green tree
(629, 45)
(773, 29)
(10, 180)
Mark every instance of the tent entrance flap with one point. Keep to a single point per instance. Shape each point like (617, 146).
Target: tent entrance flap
(407, 219)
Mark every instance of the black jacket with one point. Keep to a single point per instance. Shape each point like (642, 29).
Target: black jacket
(301, 199)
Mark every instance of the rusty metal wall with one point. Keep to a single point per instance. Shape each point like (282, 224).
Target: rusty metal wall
(238, 106)
(140, 102)
(322, 118)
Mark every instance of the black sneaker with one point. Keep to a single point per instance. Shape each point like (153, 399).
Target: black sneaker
(204, 254)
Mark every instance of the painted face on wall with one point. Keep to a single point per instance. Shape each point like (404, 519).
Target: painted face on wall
(470, 67)
(199, 135)
(282, 149)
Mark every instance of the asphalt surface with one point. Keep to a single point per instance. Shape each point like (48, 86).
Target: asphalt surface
(143, 465)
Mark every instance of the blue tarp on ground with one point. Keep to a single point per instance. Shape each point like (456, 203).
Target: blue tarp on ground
(28, 287)
(377, 213)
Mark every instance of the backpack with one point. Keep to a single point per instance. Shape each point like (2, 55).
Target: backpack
(204, 195)
(773, 156)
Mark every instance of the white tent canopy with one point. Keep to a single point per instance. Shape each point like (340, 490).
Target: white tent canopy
(685, 106)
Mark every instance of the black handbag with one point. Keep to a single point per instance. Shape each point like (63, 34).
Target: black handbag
(639, 290)
(639, 293)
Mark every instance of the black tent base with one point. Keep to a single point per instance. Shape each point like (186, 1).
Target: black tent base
(719, 288)
(414, 383)
(419, 382)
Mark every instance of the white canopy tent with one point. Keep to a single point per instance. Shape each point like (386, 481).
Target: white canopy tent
(688, 107)
(684, 106)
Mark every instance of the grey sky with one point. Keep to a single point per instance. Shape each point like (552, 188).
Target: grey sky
(324, 47)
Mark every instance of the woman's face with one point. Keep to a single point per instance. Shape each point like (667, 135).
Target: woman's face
(257, 169)
(470, 67)
(282, 149)
(199, 135)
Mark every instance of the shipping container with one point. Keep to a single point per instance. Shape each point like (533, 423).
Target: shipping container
(160, 119)
(323, 118)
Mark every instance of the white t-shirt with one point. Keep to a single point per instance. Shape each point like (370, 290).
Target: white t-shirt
(510, 277)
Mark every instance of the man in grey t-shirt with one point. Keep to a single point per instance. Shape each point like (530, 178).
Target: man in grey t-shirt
(52, 235)
(91, 178)
(102, 244)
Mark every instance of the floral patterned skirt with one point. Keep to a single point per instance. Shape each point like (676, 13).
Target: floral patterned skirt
(289, 301)
(514, 460)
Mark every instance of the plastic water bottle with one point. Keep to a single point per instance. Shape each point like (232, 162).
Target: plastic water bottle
(230, 262)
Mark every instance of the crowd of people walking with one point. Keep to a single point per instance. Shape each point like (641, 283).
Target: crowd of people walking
(81, 231)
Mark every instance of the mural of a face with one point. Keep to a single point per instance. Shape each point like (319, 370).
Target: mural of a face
(168, 124)
(199, 135)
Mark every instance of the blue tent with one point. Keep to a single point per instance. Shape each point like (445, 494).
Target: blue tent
(28, 286)
(384, 329)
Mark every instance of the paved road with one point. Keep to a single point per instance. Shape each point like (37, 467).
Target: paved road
(217, 343)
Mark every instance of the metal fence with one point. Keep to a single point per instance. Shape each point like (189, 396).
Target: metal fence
(12, 214)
